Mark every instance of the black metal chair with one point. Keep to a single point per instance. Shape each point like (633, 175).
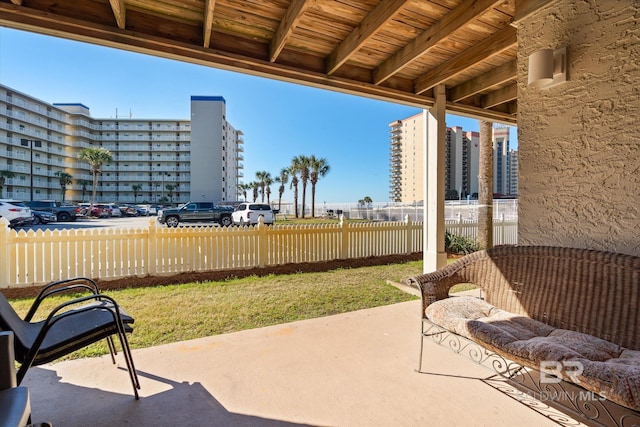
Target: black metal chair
(15, 405)
(70, 326)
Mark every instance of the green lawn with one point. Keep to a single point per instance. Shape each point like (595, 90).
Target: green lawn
(166, 314)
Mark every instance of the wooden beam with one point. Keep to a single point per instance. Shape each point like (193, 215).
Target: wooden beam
(508, 116)
(500, 96)
(120, 12)
(291, 18)
(493, 45)
(476, 85)
(428, 39)
(384, 12)
(524, 8)
(209, 7)
(17, 2)
(47, 23)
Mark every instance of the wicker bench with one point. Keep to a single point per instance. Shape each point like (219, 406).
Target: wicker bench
(559, 317)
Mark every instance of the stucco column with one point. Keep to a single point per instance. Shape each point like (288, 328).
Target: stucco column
(485, 186)
(434, 140)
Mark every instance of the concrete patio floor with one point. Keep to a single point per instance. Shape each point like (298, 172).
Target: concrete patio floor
(353, 369)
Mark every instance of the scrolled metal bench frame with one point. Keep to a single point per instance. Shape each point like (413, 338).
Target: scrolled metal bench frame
(576, 404)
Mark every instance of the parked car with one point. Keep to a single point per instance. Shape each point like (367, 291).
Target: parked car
(195, 212)
(143, 210)
(114, 210)
(63, 212)
(99, 210)
(129, 210)
(16, 212)
(43, 217)
(248, 213)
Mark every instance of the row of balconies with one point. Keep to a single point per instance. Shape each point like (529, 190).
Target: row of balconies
(26, 156)
(146, 148)
(60, 127)
(109, 125)
(149, 138)
(36, 108)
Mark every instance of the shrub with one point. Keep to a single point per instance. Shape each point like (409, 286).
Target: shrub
(459, 244)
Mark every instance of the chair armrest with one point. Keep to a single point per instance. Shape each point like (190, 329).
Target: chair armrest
(7, 361)
(69, 309)
(75, 284)
(435, 286)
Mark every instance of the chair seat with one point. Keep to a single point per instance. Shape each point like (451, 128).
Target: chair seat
(72, 325)
(73, 333)
(15, 408)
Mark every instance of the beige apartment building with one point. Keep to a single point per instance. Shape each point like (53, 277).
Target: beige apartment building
(153, 159)
(406, 172)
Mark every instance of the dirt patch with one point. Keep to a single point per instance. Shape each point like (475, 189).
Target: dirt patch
(138, 282)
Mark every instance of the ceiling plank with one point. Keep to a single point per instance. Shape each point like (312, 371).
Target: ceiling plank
(17, 2)
(485, 81)
(384, 12)
(492, 45)
(120, 12)
(291, 18)
(500, 96)
(209, 7)
(428, 39)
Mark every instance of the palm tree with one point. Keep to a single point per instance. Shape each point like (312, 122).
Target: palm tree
(64, 179)
(267, 184)
(4, 175)
(301, 164)
(264, 180)
(367, 200)
(136, 190)
(293, 172)
(283, 179)
(319, 168)
(170, 188)
(255, 186)
(83, 183)
(96, 157)
(243, 188)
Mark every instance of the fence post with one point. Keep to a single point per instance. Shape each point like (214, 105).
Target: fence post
(263, 247)
(409, 234)
(152, 248)
(5, 254)
(344, 248)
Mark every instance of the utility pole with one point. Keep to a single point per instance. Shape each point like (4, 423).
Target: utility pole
(30, 143)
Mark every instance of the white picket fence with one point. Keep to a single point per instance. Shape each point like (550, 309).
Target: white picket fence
(31, 257)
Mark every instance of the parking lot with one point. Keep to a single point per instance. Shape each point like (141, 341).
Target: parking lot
(123, 222)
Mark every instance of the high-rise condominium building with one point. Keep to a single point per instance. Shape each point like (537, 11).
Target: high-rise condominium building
(406, 172)
(154, 160)
(407, 156)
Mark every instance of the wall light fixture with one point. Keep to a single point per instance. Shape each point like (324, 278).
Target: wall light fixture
(548, 67)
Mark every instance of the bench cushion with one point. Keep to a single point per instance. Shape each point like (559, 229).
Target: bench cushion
(608, 368)
(617, 379)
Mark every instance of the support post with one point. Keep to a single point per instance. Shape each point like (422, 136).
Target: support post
(485, 186)
(435, 129)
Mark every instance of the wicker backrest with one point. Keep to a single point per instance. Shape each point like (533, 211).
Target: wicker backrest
(589, 291)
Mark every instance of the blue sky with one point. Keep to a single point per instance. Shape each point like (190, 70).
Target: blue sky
(279, 120)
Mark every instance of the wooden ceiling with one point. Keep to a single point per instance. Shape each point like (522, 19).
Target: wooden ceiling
(396, 50)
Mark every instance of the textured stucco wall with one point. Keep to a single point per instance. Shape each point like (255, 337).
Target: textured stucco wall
(579, 142)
